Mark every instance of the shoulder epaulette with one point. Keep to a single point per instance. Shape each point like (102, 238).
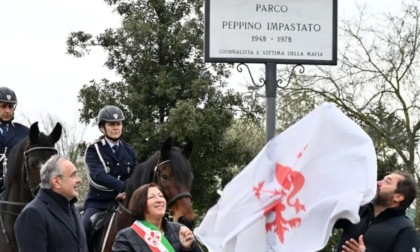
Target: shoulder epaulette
(15, 124)
(99, 140)
(126, 143)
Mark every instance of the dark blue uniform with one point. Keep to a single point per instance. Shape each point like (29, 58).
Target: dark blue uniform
(15, 133)
(106, 173)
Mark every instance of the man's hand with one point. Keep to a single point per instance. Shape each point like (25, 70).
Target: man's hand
(354, 246)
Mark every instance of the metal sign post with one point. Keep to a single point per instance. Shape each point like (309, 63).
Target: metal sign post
(270, 93)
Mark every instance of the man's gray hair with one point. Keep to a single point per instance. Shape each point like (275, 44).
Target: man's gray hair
(50, 169)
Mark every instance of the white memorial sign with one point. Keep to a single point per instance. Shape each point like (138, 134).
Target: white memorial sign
(280, 31)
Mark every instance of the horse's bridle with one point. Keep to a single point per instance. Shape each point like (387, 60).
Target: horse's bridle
(156, 179)
(33, 187)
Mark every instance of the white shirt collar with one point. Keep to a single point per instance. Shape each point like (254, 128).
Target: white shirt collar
(111, 143)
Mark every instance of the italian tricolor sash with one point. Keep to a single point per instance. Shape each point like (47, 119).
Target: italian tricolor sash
(156, 241)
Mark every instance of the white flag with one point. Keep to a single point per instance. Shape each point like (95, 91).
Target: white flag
(288, 198)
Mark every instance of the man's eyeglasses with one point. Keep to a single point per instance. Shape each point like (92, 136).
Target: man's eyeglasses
(72, 176)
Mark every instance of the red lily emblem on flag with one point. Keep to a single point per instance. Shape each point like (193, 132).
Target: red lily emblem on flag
(291, 183)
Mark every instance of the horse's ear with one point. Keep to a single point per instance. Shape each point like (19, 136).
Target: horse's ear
(34, 133)
(56, 133)
(186, 151)
(165, 151)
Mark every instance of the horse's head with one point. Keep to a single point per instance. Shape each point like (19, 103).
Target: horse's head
(174, 175)
(170, 169)
(23, 178)
(39, 149)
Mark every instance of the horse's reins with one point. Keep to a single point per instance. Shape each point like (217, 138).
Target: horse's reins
(13, 203)
(120, 205)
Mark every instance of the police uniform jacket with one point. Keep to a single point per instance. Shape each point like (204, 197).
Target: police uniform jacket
(15, 133)
(45, 225)
(107, 172)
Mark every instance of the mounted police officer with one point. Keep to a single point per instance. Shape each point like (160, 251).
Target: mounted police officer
(10, 132)
(109, 161)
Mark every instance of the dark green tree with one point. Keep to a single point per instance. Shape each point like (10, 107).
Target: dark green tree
(388, 159)
(165, 89)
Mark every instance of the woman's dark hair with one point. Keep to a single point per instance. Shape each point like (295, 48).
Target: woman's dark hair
(138, 201)
(407, 187)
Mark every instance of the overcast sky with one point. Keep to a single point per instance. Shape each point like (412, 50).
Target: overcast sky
(33, 59)
(34, 63)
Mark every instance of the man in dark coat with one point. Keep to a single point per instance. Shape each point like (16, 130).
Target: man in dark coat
(10, 132)
(383, 225)
(50, 222)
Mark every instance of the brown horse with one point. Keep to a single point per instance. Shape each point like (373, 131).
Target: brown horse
(23, 178)
(171, 170)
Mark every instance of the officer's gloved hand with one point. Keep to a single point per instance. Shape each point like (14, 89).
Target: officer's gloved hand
(120, 196)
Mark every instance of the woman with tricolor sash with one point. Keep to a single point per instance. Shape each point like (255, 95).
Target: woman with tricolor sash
(151, 231)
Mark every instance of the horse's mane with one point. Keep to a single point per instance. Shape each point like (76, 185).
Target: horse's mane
(143, 172)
